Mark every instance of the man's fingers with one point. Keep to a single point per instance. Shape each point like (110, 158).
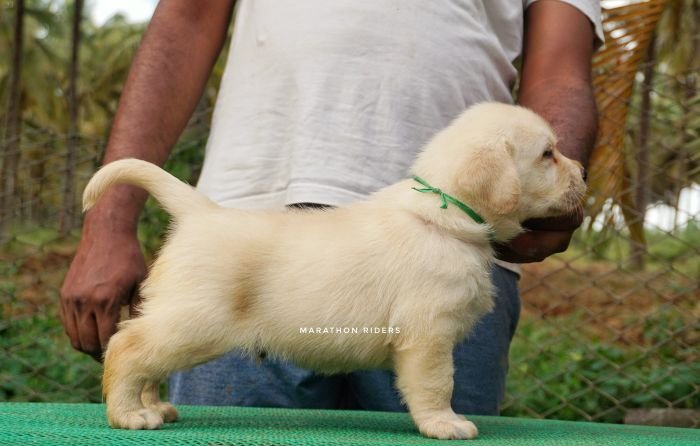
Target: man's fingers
(135, 305)
(554, 242)
(96, 286)
(69, 324)
(534, 246)
(503, 252)
(87, 332)
(520, 251)
(107, 325)
(543, 244)
(90, 323)
(555, 224)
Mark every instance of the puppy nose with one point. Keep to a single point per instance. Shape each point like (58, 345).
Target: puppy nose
(584, 173)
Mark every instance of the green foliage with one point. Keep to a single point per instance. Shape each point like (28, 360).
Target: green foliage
(571, 377)
(665, 248)
(37, 236)
(681, 247)
(37, 362)
(41, 365)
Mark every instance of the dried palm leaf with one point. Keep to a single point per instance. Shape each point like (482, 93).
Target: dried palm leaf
(628, 30)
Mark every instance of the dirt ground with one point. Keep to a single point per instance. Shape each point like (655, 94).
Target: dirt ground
(612, 302)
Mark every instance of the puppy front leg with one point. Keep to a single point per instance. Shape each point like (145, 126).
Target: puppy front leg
(425, 375)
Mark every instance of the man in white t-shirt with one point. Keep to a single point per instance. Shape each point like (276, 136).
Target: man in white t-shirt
(321, 104)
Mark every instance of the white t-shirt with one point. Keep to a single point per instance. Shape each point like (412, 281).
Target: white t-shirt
(328, 101)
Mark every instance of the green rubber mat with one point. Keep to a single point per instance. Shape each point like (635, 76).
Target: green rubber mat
(85, 424)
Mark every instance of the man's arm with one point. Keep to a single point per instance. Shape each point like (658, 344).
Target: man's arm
(167, 78)
(556, 83)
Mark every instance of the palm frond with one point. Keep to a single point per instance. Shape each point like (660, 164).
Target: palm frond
(628, 30)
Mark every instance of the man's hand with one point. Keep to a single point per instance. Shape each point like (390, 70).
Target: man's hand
(556, 84)
(104, 276)
(543, 237)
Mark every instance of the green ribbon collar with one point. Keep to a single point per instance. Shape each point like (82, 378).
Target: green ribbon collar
(447, 198)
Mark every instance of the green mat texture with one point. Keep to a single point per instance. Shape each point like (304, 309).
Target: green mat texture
(85, 424)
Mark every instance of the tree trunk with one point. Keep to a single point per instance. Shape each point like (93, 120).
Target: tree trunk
(643, 186)
(68, 211)
(683, 156)
(13, 124)
(682, 169)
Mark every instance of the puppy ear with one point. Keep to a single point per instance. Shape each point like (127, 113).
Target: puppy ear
(489, 178)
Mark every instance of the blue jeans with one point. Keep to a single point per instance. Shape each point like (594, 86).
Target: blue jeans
(481, 364)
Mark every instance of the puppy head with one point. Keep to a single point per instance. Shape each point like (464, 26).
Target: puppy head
(503, 161)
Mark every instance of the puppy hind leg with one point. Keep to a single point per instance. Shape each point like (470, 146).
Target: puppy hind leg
(141, 354)
(150, 397)
(425, 380)
(125, 376)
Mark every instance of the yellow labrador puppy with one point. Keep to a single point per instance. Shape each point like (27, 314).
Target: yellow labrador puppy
(414, 256)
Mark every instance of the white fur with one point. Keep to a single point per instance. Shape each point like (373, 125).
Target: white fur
(230, 279)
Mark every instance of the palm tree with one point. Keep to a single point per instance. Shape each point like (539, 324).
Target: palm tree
(13, 121)
(628, 32)
(68, 210)
(681, 61)
(642, 187)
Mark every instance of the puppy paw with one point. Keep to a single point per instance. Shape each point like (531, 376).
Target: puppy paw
(143, 419)
(166, 410)
(448, 428)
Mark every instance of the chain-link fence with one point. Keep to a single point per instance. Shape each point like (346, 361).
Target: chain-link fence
(609, 326)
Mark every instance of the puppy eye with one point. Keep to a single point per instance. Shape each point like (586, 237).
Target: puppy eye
(548, 154)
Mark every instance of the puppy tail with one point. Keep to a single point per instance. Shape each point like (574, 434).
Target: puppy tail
(176, 197)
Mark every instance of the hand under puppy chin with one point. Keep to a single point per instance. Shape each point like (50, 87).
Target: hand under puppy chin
(542, 238)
